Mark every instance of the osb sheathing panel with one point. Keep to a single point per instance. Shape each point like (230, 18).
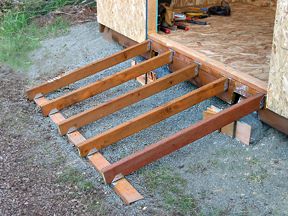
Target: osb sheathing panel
(241, 42)
(126, 17)
(278, 77)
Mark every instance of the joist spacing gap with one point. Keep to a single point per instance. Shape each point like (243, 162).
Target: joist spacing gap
(90, 147)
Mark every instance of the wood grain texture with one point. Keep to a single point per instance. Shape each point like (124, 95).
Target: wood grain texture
(106, 83)
(88, 70)
(209, 63)
(182, 138)
(152, 117)
(125, 100)
(277, 97)
(126, 17)
(246, 49)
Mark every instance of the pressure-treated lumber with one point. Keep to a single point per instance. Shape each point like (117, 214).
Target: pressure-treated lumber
(90, 69)
(182, 138)
(106, 83)
(125, 100)
(154, 116)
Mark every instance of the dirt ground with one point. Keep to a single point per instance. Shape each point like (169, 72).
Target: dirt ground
(42, 174)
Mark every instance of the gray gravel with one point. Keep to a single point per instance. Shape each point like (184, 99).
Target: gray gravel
(220, 171)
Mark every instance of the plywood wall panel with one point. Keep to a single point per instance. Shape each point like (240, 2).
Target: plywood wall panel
(126, 17)
(278, 78)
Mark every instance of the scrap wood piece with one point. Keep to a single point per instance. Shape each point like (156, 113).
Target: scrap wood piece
(122, 101)
(182, 138)
(243, 132)
(154, 116)
(90, 69)
(122, 187)
(147, 78)
(106, 83)
(125, 190)
(228, 130)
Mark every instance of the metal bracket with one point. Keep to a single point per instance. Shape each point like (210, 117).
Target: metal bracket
(53, 111)
(197, 68)
(172, 54)
(262, 103)
(92, 151)
(149, 45)
(226, 85)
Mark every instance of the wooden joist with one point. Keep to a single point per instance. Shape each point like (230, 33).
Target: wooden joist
(106, 83)
(125, 100)
(154, 116)
(182, 138)
(87, 70)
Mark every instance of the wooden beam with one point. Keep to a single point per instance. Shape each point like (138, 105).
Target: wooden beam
(106, 83)
(154, 116)
(125, 100)
(182, 138)
(276, 121)
(87, 70)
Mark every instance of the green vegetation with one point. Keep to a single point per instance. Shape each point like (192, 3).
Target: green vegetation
(171, 187)
(74, 177)
(258, 176)
(19, 35)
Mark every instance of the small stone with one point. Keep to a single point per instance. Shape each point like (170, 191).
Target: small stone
(144, 208)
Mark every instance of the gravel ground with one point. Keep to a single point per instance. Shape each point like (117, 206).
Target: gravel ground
(214, 176)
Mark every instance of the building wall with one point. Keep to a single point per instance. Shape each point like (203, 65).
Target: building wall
(278, 77)
(126, 17)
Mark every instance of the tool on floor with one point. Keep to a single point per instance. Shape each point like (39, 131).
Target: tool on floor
(181, 26)
(165, 30)
(196, 22)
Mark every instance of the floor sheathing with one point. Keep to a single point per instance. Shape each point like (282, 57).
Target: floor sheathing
(242, 41)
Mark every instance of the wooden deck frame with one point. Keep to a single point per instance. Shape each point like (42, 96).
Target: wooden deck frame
(122, 187)
(154, 116)
(118, 103)
(88, 70)
(106, 83)
(182, 138)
